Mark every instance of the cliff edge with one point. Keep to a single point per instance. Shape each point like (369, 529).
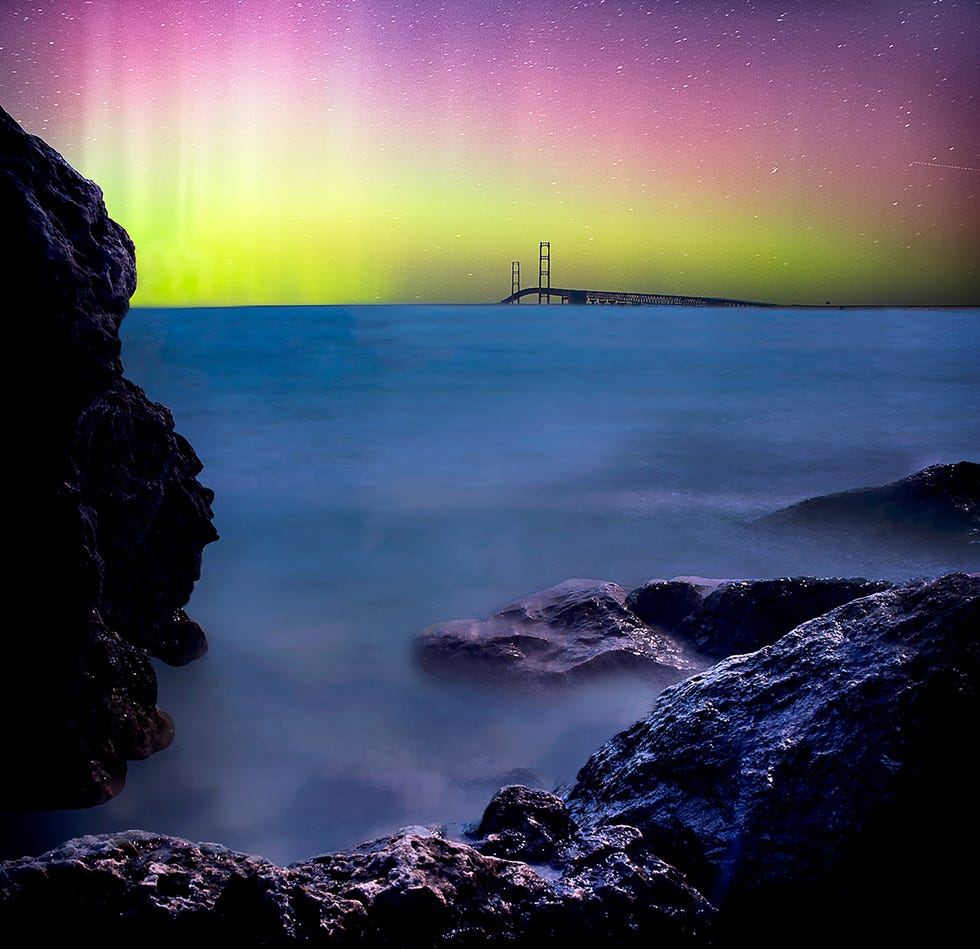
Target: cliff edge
(109, 520)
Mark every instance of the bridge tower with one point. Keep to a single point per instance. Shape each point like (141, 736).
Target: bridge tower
(544, 271)
(515, 278)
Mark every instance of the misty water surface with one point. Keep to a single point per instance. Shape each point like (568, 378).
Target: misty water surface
(379, 469)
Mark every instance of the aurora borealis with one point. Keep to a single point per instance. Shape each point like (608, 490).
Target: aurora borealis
(359, 151)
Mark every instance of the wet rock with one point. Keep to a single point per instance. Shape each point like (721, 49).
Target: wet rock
(109, 520)
(666, 603)
(524, 824)
(572, 632)
(822, 784)
(941, 501)
(744, 615)
(413, 889)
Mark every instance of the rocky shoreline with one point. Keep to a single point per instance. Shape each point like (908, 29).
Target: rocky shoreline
(113, 521)
(806, 771)
(816, 785)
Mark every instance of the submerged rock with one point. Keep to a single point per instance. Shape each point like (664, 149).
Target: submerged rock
(569, 633)
(940, 500)
(112, 521)
(819, 785)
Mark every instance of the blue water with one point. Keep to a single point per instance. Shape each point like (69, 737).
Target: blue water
(379, 469)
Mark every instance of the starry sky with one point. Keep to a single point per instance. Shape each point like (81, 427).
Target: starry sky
(361, 151)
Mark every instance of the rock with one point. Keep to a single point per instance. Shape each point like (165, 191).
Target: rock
(135, 883)
(823, 784)
(572, 632)
(413, 889)
(744, 615)
(524, 824)
(666, 629)
(112, 521)
(666, 603)
(942, 501)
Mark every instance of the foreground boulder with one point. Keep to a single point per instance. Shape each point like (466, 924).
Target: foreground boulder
(414, 889)
(823, 784)
(109, 520)
(572, 632)
(940, 501)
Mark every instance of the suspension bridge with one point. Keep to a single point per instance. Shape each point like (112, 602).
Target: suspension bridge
(546, 293)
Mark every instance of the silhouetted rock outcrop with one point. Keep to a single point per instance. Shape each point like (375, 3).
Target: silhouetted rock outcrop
(569, 633)
(822, 784)
(940, 500)
(109, 519)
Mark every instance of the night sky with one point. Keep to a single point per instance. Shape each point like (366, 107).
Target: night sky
(263, 151)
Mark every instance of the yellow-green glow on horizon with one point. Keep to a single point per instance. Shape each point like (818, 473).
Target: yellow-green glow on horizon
(361, 153)
(371, 247)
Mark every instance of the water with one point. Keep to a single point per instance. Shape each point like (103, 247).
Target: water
(379, 469)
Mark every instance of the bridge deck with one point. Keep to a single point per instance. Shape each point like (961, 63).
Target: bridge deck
(616, 297)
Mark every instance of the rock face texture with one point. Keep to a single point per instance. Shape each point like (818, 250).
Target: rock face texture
(723, 618)
(822, 783)
(569, 633)
(413, 889)
(941, 500)
(111, 521)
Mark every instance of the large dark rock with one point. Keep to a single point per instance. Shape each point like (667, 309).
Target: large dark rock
(414, 889)
(723, 618)
(940, 501)
(109, 521)
(823, 784)
(572, 632)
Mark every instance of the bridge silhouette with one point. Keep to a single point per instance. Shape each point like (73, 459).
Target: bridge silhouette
(625, 298)
(545, 291)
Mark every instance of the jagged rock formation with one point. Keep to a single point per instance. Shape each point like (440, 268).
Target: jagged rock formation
(112, 521)
(940, 501)
(416, 889)
(822, 784)
(569, 633)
